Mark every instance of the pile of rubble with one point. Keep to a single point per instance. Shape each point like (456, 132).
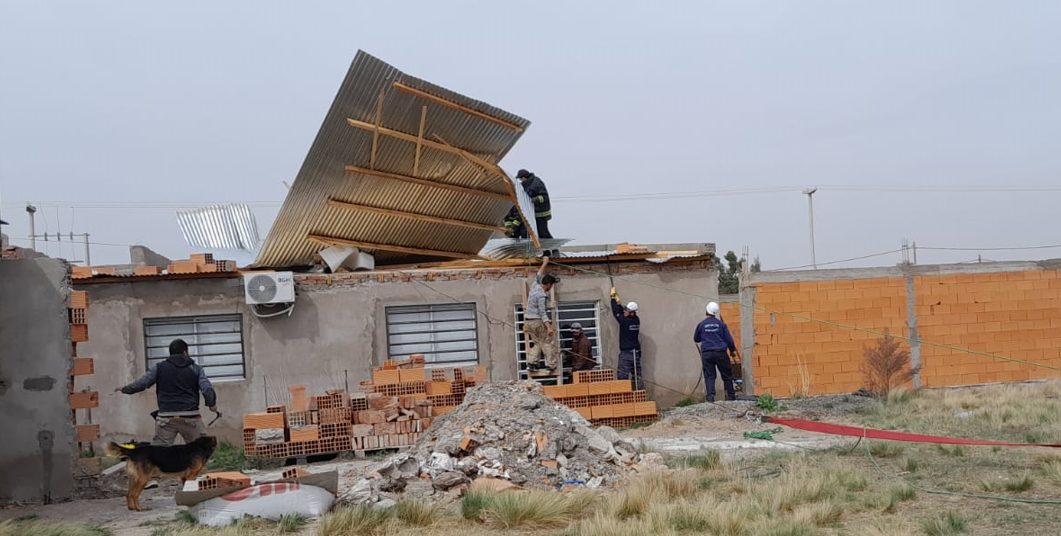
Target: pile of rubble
(506, 432)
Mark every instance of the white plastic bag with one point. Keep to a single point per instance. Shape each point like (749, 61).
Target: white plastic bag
(271, 501)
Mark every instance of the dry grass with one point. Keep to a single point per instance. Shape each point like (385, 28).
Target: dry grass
(363, 520)
(886, 366)
(35, 527)
(417, 513)
(946, 524)
(529, 509)
(1016, 484)
(803, 374)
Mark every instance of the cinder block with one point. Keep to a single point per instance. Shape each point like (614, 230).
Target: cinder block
(258, 421)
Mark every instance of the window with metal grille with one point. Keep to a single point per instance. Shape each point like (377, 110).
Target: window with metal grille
(215, 342)
(446, 334)
(586, 313)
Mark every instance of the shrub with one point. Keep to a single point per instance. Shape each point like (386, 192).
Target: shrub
(886, 366)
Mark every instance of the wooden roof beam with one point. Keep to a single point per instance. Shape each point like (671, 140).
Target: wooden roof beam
(334, 203)
(335, 241)
(455, 106)
(428, 183)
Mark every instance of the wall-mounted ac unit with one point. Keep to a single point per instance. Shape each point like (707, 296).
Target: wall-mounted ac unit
(264, 288)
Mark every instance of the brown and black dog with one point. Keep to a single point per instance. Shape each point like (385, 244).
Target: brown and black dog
(146, 461)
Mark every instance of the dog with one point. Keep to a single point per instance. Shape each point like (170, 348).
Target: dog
(146, 461)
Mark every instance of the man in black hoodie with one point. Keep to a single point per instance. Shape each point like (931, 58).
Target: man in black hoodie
(178, 382)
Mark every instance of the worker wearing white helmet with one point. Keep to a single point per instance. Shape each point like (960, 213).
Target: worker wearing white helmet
(629, 341)
(715, 341)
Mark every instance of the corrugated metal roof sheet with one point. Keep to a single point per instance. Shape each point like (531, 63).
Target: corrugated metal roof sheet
(220, 227)
(324, 175)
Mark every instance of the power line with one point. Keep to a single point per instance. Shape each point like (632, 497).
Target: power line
(1009, 248)
(861, 257)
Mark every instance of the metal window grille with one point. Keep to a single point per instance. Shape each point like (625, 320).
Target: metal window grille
(215, 342)
(446, 334)
(586, 313)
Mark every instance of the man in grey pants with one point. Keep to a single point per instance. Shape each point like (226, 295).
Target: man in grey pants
(538, 325)
(178, 383)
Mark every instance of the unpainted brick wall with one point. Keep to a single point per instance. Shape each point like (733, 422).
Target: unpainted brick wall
(731, 316)
(832, 356)
(1014, 314)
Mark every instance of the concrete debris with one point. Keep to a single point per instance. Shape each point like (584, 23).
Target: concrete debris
(503, 432)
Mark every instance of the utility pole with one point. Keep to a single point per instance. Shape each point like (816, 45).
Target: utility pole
(88, 256)
(809, 192)
(32, 210)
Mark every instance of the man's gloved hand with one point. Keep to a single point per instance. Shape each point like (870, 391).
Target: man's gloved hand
(539, 199)
(614, 294)
(214, 409)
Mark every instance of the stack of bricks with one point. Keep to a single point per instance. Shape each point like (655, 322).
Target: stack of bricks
(603, 400)
(225, 480)
(88, 464)
(199, 263)
(443, 388)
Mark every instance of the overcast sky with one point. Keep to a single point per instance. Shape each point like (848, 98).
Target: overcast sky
(113, 113)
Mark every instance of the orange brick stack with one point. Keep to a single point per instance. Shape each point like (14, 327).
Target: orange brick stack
(397, 407)
(81, 403)
(201, 263)
(601, 399)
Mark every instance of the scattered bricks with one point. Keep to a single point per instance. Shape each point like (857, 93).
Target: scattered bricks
(306, 433)
(408, 401)
(268, 436)
(79, 316)
(83, 366)
(593, 376)
(436, 388)
(249, 441)
(87, 433)
(338, 399)
(379, 401)
(358, 403)
(391, 413)
(147, 270)
(645, 408)
(446, 400)
(334, 430)
(371, 416)
(384, 428)
(78, 332)
(417, 360)
(601, 412)
(335, 416)
(280, 408)
(294, 473)
(260, 421)
(225, 480)
(551, 464)
(78, 299)
(468, 443)
(183, 267)
(80, 272)
(411, 375)
(389, 364)
(555, 391)
(386, 376)
(201, 258)
(84, 400)
(423, 409)
(314, 417)
(438, 375)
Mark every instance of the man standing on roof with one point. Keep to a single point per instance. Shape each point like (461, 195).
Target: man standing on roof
(535, 188)
(629, 341)
(715, 340)
(538, 324)
(514, 227)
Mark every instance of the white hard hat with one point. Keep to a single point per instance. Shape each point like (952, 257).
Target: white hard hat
(632, 307)
(712, 309)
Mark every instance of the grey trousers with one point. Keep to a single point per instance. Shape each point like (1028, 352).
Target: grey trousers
(167, 428)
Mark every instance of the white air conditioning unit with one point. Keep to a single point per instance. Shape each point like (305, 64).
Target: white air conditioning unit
(264, 288)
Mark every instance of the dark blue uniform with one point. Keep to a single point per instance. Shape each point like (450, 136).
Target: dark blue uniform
(715, 340)
(629, 346)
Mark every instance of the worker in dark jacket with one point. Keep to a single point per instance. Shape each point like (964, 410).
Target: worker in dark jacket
(178, 383)
(629, 341)
(514, 227)
(579, 355)
(535, 188)
(715, 340)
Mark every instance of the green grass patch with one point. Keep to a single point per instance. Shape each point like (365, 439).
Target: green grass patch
(229, 457)
(362, 520)
(946, 524)
(39, 527)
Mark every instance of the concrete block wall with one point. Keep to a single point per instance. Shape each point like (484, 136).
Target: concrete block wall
(810, 324)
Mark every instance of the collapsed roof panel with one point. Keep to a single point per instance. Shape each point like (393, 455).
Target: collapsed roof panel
(400, 168)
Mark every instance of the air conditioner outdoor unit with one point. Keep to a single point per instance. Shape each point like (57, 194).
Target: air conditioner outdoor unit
(264, 288)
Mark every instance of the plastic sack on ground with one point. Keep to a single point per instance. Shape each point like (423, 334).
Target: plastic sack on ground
(270, 501)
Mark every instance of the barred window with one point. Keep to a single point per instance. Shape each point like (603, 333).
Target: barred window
(445, 334)
(215, 342)
(586, 313)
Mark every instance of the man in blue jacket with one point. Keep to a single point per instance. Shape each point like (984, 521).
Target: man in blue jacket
(715, 340)
(178, 383)
(629, 341)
